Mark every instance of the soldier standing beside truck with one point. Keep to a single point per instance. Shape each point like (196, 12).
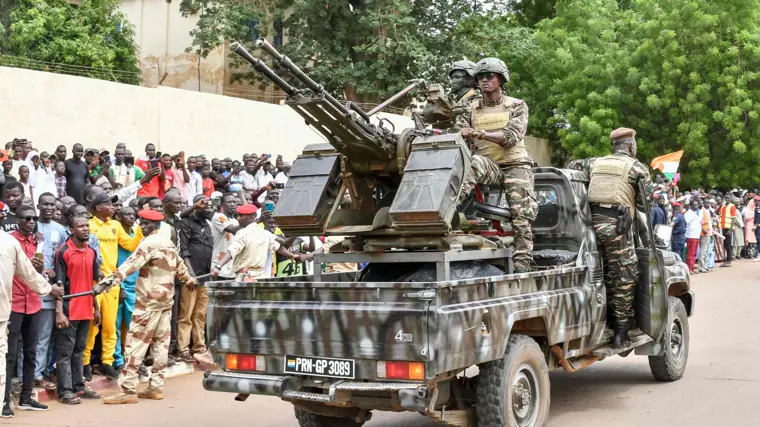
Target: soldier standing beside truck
(612, 191)
(441, 110)
(497, 124)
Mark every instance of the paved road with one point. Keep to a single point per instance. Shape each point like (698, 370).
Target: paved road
(720, 386)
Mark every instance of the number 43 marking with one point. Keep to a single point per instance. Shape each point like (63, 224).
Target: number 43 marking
(402, 337)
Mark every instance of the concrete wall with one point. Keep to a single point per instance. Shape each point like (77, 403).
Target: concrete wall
(162, 34)
(52, 109)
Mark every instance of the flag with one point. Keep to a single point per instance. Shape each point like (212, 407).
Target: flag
(668, 163)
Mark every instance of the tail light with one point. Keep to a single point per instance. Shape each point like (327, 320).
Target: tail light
(401, 370)
(245, 362)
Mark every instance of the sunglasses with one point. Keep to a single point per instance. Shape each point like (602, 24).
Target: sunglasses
(486, 76)
(30, 218)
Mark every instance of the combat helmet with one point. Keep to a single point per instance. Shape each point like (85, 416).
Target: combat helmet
(464, 65)
(492, 65)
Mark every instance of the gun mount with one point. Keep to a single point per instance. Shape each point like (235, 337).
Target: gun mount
(404, 187)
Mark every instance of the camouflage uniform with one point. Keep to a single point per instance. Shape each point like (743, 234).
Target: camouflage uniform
(509, 164)
(442, 110)
(158, 262)
(618, 251)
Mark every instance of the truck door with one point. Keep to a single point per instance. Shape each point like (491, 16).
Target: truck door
(651, 296)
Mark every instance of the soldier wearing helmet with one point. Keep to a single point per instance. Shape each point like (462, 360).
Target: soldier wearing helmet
(612, 192)
(441, 109)
(496, 126)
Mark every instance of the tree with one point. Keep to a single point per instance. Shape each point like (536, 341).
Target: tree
(682, 73)
(365, 50)
(93, 39)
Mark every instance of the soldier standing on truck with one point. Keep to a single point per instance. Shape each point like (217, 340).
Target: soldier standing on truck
(441, 110)
(612, 190)
(497, 124)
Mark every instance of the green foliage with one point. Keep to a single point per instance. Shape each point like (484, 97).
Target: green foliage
(93, 39)
(682, 73)
(365, 50)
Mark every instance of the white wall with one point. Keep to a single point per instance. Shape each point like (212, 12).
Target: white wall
(52, 109)
(162, 34)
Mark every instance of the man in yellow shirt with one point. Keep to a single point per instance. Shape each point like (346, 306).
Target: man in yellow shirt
(110, 235)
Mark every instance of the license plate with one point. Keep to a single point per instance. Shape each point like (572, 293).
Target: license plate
(320, 366)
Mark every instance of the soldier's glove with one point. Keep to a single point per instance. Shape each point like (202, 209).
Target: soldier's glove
(624, 220)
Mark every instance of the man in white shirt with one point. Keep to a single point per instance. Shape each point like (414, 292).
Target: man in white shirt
(264, 177)
(224, 225)
(194, 186)
(693, 230)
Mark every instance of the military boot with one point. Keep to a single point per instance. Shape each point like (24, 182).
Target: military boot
(620, 339)
(121, 399)
(151, 393)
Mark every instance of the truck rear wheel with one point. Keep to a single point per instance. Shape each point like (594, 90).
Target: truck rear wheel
(514, 391)
(307, 419)
(671, 365)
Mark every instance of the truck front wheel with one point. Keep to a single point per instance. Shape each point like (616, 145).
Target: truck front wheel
(307, 419)
(514, 391)
(671, 365)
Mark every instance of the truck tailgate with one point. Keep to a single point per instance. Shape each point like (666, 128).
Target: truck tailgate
(378, 321)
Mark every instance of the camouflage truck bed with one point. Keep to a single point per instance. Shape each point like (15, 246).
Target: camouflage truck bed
(444, 326)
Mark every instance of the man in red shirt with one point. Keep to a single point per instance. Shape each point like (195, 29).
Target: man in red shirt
(166, 169)
(76, 270)
(24, 324)
(149, 161)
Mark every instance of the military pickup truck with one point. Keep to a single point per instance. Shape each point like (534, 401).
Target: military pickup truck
(449, 334)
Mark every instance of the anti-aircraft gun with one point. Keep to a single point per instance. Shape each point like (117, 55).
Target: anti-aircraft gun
(405, 188)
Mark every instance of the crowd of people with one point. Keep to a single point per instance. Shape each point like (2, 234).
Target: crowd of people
(708, 227)
(106, 217)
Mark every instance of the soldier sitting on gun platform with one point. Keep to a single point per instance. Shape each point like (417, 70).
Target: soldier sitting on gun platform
(496, 125)
(441, 109)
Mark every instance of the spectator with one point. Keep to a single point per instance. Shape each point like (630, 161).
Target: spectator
(166, 167)
(110, 235)
(76, 174)
(248, 176)
(7, 177)
(657, 214)
(23, 178)
(197, 251)
(180, 174)
(727, 217)
(264, 177)
(77, 270)
(208, 183)
(224, 225)
(146, 162)
(52, 239)
(60, 153)
(13, 197)
(282, 176)
(23, 328)
(127, 218)
(60, 178)
(194, 185)
(678, 239)
(693, 220)
(705, 239)
(75, 211)
(15, 264)
(124, 171)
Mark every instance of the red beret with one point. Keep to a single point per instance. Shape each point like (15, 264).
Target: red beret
(151, 215)
(247, 209)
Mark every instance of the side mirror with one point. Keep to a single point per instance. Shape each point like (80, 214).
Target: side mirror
(662, 236)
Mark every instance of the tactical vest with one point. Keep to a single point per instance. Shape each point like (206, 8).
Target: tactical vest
(609, 182)
(493, 119)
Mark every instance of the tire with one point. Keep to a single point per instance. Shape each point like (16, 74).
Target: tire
(307, 419)
(671, 365)
(523, 365)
